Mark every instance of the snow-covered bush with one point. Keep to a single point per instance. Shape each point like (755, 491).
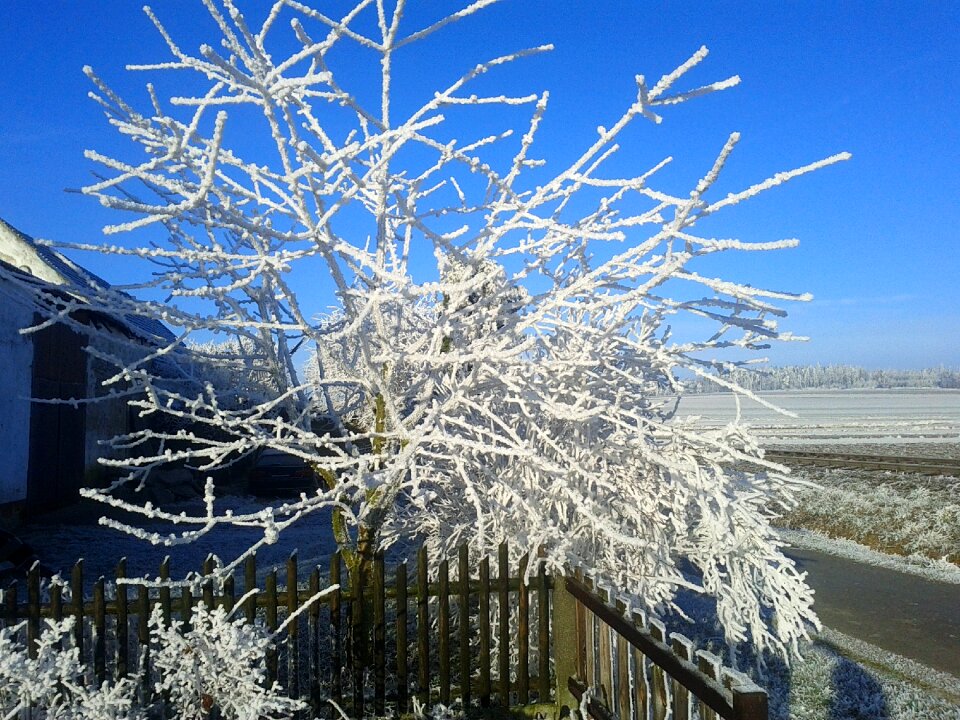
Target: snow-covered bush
(505, 324)
(51, 685)
(218, 663)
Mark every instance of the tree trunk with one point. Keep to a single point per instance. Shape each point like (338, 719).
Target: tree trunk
(360, 572)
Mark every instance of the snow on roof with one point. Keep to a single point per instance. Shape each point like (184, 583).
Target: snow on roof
(69, 273)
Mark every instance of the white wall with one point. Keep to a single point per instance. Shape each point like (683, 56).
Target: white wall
(16, 359)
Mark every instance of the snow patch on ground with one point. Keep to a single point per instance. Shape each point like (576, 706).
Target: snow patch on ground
(939, 570)
(892, 664)
(832, 682)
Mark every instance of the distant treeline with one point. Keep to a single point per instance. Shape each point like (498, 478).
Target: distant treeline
(831, 377)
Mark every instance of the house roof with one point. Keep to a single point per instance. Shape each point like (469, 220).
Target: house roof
(68, 273)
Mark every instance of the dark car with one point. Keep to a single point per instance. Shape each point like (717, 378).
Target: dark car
(278, 473)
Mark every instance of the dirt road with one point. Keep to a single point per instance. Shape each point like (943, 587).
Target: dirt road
(902, 613)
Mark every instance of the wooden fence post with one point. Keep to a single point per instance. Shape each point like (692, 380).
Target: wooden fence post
(401, 619)
(122, 620)
(423, 628)
(565, 639)
(463, 605)
(33, 610)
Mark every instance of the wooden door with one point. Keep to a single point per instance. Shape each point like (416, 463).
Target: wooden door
(57, 431)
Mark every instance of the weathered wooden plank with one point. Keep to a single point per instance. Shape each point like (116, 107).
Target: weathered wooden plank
(681, 696)
(403, 694)
(710, 666)
(523, 636)
(592, 673)
(229, 594)
(503, 648)
(76, 595)
(33, 610)
(56, 601)
(658, 680)
(143, 638)
(270, 591)
(313, 631)
(463, 605)
(543, 637)
(123, 639)
(749, 704)
(100, 631)
(605, 662)
(336, 678)
(622, 683)
(186, 607)
(207, 591)
(443, 631)
(423, 628)
(580, 613)
(379, 636)
(484, 618)
(639, 668)
(249, 584)
(293, 628)
(166, 603)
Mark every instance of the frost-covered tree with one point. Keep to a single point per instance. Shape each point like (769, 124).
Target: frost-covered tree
(499, 339)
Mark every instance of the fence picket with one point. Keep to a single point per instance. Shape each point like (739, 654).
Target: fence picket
(443, 631)
(484, 617)
(658, 687)
(503, 592)
(403, 702)
(143, 637)
(543, 636)
(379, 636)
(33, 610)
(313, 632)
(641, 684)
(681, 696)
(56, 601)
(293, 628)
(250, 583)
(336, 676)
(523, 633)
(270, 590)
(207, 592)
(463, 606)
(165, 600)
(423, 628)
(710, 666)
(123, 643)
(76, 594)
(100, 631)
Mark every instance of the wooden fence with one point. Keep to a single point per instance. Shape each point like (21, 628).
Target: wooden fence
(631, 672)
(489, 641)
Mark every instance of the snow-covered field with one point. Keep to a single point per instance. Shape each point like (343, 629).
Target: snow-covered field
(900, 417)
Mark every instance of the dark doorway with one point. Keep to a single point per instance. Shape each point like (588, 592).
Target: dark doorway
(57, 431)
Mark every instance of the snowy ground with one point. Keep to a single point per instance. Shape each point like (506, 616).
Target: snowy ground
(896, 513)
(899, 417)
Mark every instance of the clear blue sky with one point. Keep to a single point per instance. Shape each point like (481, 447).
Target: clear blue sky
(880, 235)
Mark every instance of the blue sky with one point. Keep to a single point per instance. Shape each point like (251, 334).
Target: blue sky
(879, 234)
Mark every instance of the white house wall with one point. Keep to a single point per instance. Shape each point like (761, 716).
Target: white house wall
(16, 362)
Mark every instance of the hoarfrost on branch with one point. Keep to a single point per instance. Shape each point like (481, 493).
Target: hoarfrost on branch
(494, 363)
